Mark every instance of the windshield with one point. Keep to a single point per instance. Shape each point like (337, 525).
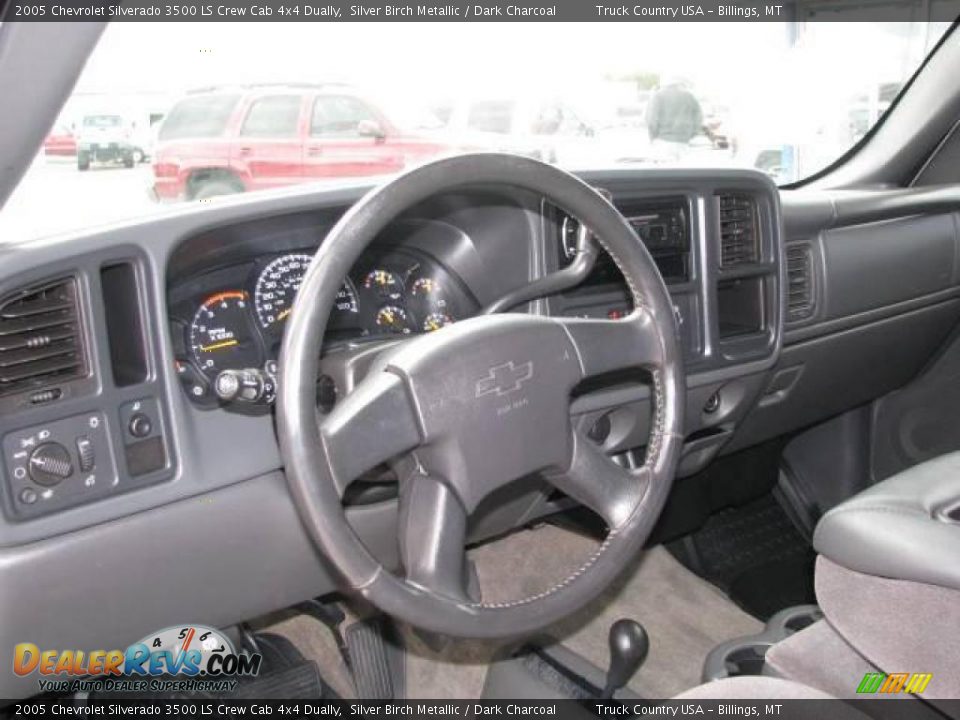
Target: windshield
(249, 107)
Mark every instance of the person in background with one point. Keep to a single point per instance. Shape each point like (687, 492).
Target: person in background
(674, 118)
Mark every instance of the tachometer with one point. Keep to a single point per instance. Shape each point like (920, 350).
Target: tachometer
(277, 288)
(221, 334)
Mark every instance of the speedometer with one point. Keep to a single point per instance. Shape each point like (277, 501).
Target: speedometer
(277, 288)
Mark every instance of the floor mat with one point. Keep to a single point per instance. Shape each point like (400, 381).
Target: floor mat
(755, 554)
(684, 616)
(314, 641)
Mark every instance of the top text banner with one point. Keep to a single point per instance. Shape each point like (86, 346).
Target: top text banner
(484, 11)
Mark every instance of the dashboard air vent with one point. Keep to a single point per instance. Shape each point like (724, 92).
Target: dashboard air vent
(739, 236)
(40, 337)
(799, 282)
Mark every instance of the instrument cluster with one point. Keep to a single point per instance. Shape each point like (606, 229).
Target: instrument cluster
(232, 319)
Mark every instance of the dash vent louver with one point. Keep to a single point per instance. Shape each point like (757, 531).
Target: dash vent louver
(40, 337)
(739, 234)
(799, 282)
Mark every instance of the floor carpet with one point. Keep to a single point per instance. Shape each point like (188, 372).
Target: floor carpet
(684, 615)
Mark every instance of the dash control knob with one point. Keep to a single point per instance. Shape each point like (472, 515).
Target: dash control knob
(245, 386)
(140, 425)
(49, 464)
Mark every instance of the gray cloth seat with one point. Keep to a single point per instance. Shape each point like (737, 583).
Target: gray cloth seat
(906, 527)
(888, 575)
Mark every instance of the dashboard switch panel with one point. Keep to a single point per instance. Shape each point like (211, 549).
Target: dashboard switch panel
(58, 465)
(142, 437)
(86, 454)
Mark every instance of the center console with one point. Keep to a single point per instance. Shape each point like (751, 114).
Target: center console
(717, 252)
(715, 237)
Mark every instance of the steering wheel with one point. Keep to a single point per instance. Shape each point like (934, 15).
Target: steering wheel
(473, 407)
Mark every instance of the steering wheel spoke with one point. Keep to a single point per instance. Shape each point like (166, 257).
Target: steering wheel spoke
(433, 530)
(596, 481)
(607, 345)
(374, 423)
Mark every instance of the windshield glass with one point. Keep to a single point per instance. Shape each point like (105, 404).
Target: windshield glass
(249, 107)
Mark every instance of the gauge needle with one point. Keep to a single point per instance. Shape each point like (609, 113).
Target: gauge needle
(219, 345)
(283, 315)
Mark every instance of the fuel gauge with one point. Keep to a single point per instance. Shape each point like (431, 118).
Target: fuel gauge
(384, 283)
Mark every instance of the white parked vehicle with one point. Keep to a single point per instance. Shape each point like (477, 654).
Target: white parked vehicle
(110, 138)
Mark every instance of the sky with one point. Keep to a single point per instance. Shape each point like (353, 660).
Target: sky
(444, 55)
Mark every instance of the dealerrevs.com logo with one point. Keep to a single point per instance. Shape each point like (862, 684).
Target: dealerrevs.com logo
(176, 659)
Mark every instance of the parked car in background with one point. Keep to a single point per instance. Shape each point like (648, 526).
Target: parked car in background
(110, 138)
(220, 141)
(61, 142)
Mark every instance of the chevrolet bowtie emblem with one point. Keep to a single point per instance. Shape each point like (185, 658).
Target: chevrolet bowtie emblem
(504, 379)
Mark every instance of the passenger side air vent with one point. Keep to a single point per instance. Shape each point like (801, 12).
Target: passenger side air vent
(739, 236)
(799, 282)
(40, 338)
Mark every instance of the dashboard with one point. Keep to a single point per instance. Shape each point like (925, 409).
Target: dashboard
(233, 288)
(779, 332)
(232, 318)
(148, 407)
(116, 446)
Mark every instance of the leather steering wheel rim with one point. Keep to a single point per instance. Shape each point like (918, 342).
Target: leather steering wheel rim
(457, 404)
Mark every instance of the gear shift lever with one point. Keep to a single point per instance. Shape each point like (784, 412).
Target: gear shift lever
(629, 645)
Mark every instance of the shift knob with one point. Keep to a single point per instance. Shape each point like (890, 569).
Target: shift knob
(629, 645)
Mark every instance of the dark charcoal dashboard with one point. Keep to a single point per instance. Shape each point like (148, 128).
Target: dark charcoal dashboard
(234, 287)
(230, 287)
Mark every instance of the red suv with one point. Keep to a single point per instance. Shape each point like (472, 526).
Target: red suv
(216, 142)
